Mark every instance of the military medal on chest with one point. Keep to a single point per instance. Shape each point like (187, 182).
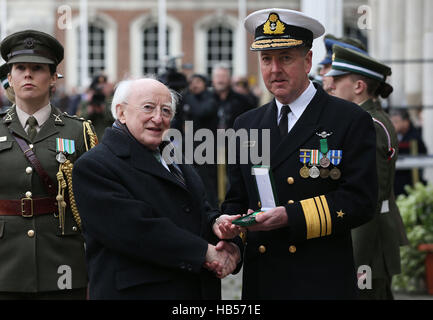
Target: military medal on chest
(304, 156)
(320, 160)
(314, 171)
(324, 160)
(335, 156)
(63, 147)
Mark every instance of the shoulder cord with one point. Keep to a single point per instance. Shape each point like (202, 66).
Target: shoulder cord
(391, 150)
(65, 170)
(92, 136)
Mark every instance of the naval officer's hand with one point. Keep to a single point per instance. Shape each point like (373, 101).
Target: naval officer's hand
(269, 220)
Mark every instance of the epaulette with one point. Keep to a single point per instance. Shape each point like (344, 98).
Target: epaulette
(3, 112)
(74, 117)
(89, 134)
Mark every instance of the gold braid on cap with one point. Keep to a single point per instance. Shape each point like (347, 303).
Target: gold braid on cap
(87, 128)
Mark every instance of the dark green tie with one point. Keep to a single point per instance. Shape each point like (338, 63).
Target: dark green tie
(31, 132)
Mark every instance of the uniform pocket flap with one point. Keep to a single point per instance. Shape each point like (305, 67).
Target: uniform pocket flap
(5, 145)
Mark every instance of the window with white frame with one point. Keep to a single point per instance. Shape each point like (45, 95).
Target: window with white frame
(219, 47)
(151, 60)
(96, 58)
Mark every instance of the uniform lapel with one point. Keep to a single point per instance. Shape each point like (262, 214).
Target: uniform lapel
(269, 121)
(11, 120)
(305, 127)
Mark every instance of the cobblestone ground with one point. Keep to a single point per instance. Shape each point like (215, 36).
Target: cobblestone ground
(231, 287)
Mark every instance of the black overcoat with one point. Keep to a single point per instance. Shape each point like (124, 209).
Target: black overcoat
(146, 234)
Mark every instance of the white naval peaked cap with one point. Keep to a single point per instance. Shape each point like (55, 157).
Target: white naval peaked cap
(277, 28)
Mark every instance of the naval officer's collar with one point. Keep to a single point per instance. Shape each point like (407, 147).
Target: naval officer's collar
(41, 115)
(300, 104)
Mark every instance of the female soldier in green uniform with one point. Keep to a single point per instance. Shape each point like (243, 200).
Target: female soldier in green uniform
(41, 247)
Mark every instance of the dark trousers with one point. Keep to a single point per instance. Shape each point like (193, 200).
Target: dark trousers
(73, 294)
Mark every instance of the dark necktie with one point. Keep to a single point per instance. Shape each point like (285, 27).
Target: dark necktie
(177, 173)
(283, 125)
(31, 132)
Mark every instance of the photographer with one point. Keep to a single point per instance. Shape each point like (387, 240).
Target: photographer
(95, 107)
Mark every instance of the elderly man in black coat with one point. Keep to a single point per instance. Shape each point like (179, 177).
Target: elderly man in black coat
(148, 228)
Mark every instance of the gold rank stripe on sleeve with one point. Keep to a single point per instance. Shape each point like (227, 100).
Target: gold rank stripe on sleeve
(317, 217)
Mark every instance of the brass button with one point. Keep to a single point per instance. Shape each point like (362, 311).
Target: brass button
(259, 204)
(31, 233)
(262, 249)
(290, 202)
(292, 249)
(74, 228)
(29, 170)
(28, 194)
(290, 180)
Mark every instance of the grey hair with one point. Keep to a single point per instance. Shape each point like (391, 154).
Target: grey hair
(123, 89)
(221, 65)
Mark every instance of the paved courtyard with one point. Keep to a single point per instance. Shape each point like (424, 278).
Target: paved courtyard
(231, 290)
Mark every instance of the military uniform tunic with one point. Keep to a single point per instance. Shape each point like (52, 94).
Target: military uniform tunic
(377, 243)
(35, 255)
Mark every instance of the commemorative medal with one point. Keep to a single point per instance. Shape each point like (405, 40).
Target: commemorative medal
(335, 157)
(64, 147)
(60, 157)
(304, 172)
(314, 172)
(335, 174)
(304, 156)
(314, 161)
(324, 160)
(324, 173)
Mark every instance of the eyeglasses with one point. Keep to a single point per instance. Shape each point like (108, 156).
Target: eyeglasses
(166, 112)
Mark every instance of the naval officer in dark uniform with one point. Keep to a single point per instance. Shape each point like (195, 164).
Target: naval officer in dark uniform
(323, 169)
(41, 246)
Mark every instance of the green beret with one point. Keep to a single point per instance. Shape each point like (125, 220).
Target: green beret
(31, 46)
(346, 61)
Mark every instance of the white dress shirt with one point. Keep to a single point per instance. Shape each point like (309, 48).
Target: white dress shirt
(298, 106)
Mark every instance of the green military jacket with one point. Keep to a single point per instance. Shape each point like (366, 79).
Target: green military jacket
(377, 243)
(35, 255)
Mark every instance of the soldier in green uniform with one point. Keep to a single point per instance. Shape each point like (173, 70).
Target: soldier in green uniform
(361, 79)
(41, 246)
